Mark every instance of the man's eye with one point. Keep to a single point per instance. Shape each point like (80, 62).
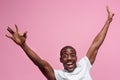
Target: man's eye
(73, 55)
(64, 56)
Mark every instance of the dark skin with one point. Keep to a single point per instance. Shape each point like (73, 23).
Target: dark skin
(68, 58)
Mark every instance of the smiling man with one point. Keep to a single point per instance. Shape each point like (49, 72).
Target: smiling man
(73, 70)
(68, 58)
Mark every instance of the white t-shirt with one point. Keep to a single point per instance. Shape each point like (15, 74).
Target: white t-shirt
(82, 71)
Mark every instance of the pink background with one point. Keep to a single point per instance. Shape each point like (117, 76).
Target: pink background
(52, 25)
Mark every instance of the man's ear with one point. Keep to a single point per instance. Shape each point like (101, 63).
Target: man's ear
(60, 59)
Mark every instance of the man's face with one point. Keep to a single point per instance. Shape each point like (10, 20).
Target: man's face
(69, 59)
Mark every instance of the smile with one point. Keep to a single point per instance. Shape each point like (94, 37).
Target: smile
(70, 65)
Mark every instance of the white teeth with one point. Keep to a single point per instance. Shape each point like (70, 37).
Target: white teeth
(69, 63)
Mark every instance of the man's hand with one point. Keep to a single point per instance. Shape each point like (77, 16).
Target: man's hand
(16, 37)
(110, 14)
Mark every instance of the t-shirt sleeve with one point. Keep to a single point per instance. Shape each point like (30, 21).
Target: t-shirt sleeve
(58, 74)
(85, 62)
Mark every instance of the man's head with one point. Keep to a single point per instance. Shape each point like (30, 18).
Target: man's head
(68, 58)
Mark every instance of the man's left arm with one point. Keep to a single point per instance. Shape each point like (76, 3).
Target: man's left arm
(93, 50)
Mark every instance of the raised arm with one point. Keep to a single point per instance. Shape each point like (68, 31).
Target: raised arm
(92, 52)
(20, 40)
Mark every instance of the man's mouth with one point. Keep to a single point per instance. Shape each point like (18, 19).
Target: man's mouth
(70, 65)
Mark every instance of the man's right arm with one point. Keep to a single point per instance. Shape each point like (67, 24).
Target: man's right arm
(43, 65)
(20, 40)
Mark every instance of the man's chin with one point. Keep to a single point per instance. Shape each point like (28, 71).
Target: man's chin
(71, 70)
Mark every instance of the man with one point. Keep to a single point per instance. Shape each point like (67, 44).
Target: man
(73, 70)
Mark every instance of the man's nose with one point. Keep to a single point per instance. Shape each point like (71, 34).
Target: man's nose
(69, 57)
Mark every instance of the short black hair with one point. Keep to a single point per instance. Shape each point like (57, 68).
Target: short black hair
(64, 49)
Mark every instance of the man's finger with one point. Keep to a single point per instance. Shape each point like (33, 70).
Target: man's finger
(10, 30)
(25, 34)
(16, 28)
(8, 36)
(107, 9)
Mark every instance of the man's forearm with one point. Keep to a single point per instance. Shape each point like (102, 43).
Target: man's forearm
(92, 52)
(31, 54)
(44, 66)
(102, 34)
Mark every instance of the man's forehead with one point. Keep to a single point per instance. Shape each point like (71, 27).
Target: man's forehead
(69, 50)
